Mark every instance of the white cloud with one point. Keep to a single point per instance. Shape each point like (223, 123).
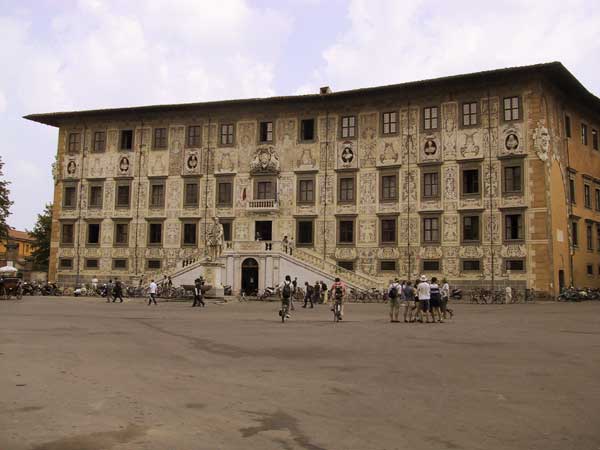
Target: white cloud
(390, 41)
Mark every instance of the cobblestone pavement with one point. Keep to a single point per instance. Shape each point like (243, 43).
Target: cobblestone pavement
(80, 374)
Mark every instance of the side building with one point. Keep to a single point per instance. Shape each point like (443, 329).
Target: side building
(488, 179)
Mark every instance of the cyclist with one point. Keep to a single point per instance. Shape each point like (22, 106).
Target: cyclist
(286, 289)
(338, 292)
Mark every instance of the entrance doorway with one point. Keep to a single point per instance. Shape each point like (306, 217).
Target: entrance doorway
(263, 230)
(250, 276)
(561, 280)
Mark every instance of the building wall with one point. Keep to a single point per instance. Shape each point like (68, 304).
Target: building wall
(488, 146)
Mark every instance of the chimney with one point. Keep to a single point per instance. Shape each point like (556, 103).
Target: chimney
(325, 90)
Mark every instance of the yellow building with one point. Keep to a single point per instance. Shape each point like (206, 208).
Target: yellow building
(17, 249)
(465, 177)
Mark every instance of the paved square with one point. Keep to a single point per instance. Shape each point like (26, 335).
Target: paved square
(86, 375)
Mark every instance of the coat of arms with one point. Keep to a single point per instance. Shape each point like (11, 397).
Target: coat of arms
(265, 160)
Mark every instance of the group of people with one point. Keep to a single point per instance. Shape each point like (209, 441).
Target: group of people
(426, 301)
(288, 244)
(313, 294)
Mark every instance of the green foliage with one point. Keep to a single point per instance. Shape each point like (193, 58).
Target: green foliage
(42, 234)
(5, 203)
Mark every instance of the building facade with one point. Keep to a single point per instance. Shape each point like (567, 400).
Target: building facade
(487, 179)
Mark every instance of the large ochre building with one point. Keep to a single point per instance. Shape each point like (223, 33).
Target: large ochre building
(486, 178)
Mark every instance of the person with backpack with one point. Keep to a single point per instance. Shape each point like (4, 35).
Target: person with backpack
(308, 295)
(394, 292)
(286, 289)
(338, 293)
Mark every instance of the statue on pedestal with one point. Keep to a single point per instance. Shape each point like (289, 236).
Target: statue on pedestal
(215, 239)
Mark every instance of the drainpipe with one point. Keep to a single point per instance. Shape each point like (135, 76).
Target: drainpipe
(77, 244)
(139, 187)
(325, 187)
(206, 191)
(408, 144)
(491, 194)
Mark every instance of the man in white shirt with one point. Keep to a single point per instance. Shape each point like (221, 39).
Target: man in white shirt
(424, 295)
(153, 287)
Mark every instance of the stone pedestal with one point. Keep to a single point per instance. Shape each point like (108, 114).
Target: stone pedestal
(211, 272)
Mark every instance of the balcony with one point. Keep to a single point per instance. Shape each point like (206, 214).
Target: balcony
(263, 205)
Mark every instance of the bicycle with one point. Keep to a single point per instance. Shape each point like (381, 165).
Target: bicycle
(284, 311)
(337, 311)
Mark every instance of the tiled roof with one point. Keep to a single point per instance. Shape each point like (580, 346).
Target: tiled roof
(21, 235)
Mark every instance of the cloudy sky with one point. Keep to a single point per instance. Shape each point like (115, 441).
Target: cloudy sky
(81, 54)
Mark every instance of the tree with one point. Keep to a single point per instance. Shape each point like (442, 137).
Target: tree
(5, 203)
(42, 234)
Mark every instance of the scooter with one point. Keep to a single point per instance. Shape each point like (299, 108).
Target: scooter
(268, 292)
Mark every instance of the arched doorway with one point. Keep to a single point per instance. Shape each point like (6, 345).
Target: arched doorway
(250, 276)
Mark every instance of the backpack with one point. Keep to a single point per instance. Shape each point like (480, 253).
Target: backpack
(394, 291)
(339, 293)
(287, 290)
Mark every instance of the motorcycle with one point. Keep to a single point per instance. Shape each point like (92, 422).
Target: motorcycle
(268, 292)
(456, 294)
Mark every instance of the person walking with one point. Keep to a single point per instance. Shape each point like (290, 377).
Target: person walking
(198, 293)
(435, 302)
(291, 245)
(152, 294)
(408, 300)
(118, 291)
(394, 293)
(109, 290)
(445, 291)
(338, 293)
(294, 293)
(424, 295)
(317, 293)
(308, 295)
(285, 244)
(286, 291)
(324, 292)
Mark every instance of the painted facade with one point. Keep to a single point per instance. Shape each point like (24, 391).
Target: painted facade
(464, 177)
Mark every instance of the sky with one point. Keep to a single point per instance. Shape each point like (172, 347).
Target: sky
(59, 55)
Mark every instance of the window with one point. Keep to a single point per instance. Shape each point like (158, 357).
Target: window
(346, 190)
(574, 233)
(155, 233)
(93, 233)
(584, 134)
(67, 234)
(431, 229)
(126, 139)
(190, 197)
(594, 139)
(590, 269)
(431, 185)
(160, 138)
(431, 265)
(511, 108)
(512, 179)
(470, 265)
(430, 118)
(226, 230)
(388, 230)
(154, 263)
(587, 196)
(190, 233)
(74, 142)
(387, 266)
(568, 126)
(306, 190)
(95, 200)
(572, 190)
(119, 264)
(470, 228)
(470, 182)
(348, 127)
(157, 194)
(469, 114)
(348, 265)
(65, 263)
(598, 237)
(225, 193)
(514, 265)
(121, 234)
(346, 231)
(513, 227)
(193, 136)
(70, 197)
(227, 134)
(305, 232)
(589, 237)
(266, 132)
(99, 144)
(389, 123)
(307, 130)
(389, 187)
(123, 195)
(91, 263)
(264, 190)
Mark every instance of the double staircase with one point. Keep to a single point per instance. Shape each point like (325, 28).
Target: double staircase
(302, 258)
